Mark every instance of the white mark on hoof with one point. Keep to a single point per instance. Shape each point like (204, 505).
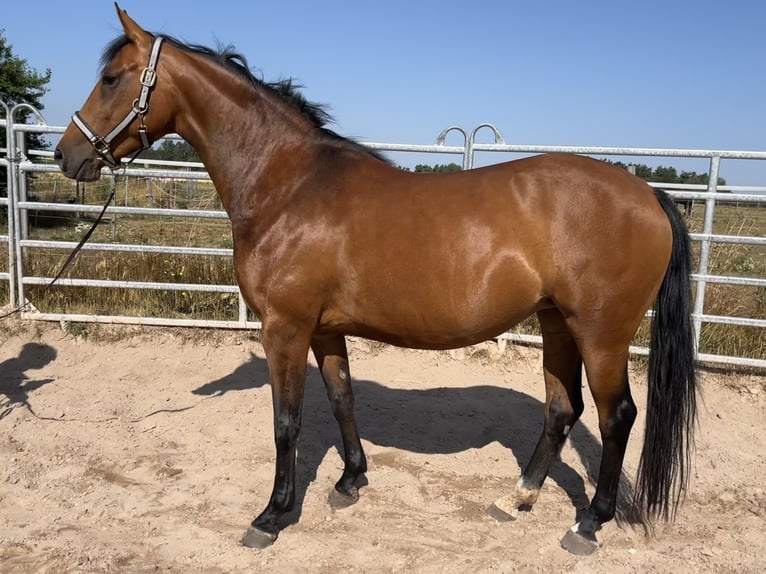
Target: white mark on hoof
(575, 528)
(342, 375)
(567, 428)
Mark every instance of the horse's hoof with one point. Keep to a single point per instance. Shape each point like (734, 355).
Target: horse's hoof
(503, 509)
(340, 500)
(494, 511)
(578, 544)
(256, 538)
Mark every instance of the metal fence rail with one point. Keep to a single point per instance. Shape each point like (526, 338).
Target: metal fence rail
(19, 164)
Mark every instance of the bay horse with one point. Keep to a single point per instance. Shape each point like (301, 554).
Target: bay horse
(331, 240)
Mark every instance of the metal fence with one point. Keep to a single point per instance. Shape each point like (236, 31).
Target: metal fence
(21, 163)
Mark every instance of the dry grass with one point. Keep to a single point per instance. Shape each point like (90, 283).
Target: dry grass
(736, 300)
(144, 267)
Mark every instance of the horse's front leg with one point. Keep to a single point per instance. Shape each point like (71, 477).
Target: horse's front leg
(332, 358)
(286, 350)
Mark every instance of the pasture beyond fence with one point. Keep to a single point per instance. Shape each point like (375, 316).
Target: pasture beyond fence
(166, 221)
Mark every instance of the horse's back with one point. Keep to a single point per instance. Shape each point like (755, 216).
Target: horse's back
(432, 260)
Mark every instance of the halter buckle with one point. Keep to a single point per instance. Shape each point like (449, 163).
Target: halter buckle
(104, 151)
(101, 146)
(148, 77)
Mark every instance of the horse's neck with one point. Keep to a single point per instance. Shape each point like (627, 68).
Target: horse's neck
(238, 131)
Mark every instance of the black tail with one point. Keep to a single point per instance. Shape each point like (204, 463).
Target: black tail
(663, 472)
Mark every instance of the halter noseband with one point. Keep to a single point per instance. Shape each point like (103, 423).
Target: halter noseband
(138, 110)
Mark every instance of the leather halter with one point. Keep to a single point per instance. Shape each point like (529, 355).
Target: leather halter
(138, 110)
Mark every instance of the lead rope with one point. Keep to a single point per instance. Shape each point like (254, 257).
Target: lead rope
(145, 145)
(15, 310)
(25, 306)
(84, 240)
(85, 237)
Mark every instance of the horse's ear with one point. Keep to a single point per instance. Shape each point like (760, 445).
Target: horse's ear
(133, 31)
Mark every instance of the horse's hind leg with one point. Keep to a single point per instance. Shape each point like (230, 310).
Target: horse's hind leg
(562, 367)
(607, 370)
(332, 358)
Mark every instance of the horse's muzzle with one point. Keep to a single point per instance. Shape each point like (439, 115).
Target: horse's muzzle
(88, 168)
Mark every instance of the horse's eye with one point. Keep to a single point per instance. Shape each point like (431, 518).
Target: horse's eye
(108, 80)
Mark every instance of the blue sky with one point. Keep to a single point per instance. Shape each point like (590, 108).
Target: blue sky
(644, 74)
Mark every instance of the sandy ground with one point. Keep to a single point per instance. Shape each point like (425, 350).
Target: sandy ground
(151, 451)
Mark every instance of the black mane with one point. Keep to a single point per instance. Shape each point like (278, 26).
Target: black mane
(228, 58)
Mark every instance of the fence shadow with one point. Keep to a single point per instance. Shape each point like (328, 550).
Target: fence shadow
(430, 421)
(15, 385)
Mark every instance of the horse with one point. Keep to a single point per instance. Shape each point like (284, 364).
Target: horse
(331, 240)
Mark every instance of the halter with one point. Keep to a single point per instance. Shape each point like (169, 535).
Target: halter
(138, 110)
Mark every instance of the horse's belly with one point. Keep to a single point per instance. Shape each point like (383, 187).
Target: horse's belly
(434, 321)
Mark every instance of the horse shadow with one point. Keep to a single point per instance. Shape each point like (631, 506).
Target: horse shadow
(15, 385)
(414, 420)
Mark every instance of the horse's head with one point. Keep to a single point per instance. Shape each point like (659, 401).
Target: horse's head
(117, 119)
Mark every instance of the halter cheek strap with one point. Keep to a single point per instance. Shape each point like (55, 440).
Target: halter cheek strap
(140, 107)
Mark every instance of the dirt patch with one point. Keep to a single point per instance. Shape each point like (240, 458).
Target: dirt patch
(152, 451)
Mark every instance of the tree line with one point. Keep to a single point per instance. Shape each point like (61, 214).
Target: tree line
(666, 174)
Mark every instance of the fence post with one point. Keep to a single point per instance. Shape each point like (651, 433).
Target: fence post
(21, 183)
(242, 309)
(17, 232)
(9, 152)
(705, 244)
(13, 201)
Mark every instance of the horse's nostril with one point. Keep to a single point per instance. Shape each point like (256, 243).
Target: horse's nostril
(57, 155)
